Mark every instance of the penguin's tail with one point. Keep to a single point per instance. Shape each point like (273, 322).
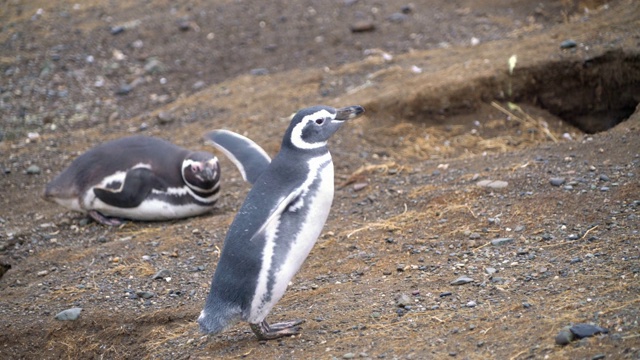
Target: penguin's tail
(215, 318)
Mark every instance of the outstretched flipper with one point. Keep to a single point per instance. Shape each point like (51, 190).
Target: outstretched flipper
(250, 159)
(137, 185)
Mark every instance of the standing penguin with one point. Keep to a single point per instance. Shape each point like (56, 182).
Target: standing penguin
(144, 178)
(276, 227)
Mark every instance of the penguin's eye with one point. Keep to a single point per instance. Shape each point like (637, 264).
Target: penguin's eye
(196, 168)
(319, 121)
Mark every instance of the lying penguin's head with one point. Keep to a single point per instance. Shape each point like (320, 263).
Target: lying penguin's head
(201, 171)
(310, 128)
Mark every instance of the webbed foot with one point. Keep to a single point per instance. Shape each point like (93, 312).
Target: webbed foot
(264, 331)
(110, 221)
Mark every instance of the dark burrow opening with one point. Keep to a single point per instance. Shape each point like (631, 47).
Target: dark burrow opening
(593, 94)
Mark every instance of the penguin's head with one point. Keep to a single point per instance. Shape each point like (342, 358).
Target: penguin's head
(201, 171)
(310, 128)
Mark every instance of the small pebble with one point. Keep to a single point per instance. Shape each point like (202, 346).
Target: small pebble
(604, 177)
(69, 314)
(568, 44)
(397, 17)
(165, 117)
(564, 337)
(145, 294)
(587, 330)
(115, 30)
(33, 170)
(471, 304)
(501, 241)
(446, 293)
(490, 270)
(557, 181)
(462, 280)
(360, 186)
(362, 26)
(259, 72)
(492, 184)
(164, 273)
(403, 300)
(124, 89)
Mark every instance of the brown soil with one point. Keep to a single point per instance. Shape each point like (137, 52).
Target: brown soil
(442, 114)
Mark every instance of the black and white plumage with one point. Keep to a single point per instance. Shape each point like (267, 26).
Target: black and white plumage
(276, 227)
(138, 178)
(250, 159)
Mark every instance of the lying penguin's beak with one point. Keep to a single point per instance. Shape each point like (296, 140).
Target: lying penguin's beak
(207, 173)
(349, 112)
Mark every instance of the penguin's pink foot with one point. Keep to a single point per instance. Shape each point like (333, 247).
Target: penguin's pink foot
(111, 221)
(264, 331)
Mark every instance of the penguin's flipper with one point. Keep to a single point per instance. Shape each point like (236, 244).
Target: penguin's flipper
(250, 159)
(138, 184)
(264, 331)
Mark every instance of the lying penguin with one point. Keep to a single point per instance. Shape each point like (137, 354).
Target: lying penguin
(147, 178)
(276, 227)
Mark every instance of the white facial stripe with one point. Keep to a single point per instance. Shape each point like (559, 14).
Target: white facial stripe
(188, 162)
(296, 134)
(260, 307)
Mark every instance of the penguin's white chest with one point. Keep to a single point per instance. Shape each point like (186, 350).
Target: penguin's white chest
(299, 227)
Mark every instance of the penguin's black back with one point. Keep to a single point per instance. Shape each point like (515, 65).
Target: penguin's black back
(121, 154)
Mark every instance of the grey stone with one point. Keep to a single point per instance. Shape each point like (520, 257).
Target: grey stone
(259, 71)
(557, 181)
(462, 280)
(502, 241)
(490, 270)
(568, 44)
(165, 117)
(564, 337)
(164, 273)
(403, 300)
(493, 184)
(33, 170)
(586, 330)
(145, 294)
(69, 314)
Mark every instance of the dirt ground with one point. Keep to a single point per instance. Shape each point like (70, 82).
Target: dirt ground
(445, 111)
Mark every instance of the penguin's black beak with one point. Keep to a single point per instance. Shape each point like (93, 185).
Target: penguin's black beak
(349, 112)
(207, 173)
